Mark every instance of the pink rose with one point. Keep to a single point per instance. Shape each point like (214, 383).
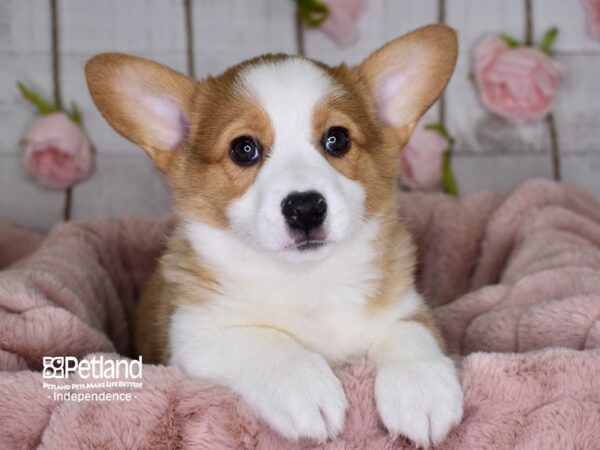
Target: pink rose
(516, 83)
(58, 152)
(593, 9)
(420, 164)
(340, 23)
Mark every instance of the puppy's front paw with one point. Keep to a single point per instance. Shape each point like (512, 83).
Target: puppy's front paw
(420, 400)
(300, 398)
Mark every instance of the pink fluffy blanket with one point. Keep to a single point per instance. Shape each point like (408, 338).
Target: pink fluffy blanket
(514, 279)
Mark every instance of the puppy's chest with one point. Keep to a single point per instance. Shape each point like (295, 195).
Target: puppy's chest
(326, 310)
(325, 306)
(331, 320)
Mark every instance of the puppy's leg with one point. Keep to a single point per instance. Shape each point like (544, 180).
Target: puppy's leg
(291, 388)
(417, 390)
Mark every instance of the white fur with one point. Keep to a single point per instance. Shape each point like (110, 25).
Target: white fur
(271, 331)
(277, 323)
(417, 391)
(322, 304)
(291, 388)
(274, 326)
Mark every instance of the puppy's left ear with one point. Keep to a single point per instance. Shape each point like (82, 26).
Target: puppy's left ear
(407, 75)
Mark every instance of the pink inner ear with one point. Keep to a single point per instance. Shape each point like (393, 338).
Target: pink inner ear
(166, 120)
(388, 98)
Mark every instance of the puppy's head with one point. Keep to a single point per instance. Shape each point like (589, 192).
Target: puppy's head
(289, 155)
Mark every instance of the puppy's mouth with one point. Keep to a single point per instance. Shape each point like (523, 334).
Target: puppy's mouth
(307, 241)
(308, 244)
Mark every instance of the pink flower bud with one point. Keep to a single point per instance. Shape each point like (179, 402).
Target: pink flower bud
(593, 10)
(58, 152)
(420, 164)
(518, 84)
(340, 25)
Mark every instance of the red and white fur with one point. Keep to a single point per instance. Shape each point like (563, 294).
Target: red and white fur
(236, 300)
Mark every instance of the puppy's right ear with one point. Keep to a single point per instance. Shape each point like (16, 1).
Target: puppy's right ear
(146, 102)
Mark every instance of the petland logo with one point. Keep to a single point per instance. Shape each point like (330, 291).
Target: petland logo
(61, 367)
(96, 379)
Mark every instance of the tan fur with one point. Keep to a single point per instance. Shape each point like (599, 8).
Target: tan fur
(396, 261)
(205, 181)
(153, 319)
(180, 279)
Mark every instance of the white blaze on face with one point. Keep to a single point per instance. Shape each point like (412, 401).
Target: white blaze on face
(289, 92)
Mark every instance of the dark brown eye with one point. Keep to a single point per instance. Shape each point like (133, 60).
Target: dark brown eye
(245, 151)
(336, 141)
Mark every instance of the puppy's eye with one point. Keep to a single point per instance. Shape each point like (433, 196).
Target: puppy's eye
(336, 141)
(245, 151)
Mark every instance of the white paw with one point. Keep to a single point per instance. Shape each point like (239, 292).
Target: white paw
(300, 398)
(420, 400)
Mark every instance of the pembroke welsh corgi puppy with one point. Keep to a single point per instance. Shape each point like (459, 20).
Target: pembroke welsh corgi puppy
(289, 257)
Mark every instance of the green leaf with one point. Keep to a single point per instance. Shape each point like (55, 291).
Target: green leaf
(449, 184)
(75, 114)
(439, 128)
(548, 41)
(511, 42)
(312, 12)
(35, 98)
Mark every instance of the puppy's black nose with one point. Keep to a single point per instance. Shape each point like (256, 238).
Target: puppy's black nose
(304, 210)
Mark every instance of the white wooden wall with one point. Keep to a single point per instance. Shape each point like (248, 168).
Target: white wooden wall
(490, 155)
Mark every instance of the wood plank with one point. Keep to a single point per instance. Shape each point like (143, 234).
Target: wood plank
(125, 184)
(24, 52)
(227, 32)
(380, 22)
(582, 170)
(124, 181)
(151, 29)
(474, 129)
(498, 173)
(24, 26)
(25, 56)
(577, 109)
(134, 26)
(22, 201)
(570, 18)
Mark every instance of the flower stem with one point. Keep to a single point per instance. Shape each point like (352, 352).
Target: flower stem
(449, 183)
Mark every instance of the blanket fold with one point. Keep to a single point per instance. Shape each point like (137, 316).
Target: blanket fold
(515, 285)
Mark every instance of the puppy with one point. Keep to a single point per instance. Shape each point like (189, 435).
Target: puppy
(289, 257)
